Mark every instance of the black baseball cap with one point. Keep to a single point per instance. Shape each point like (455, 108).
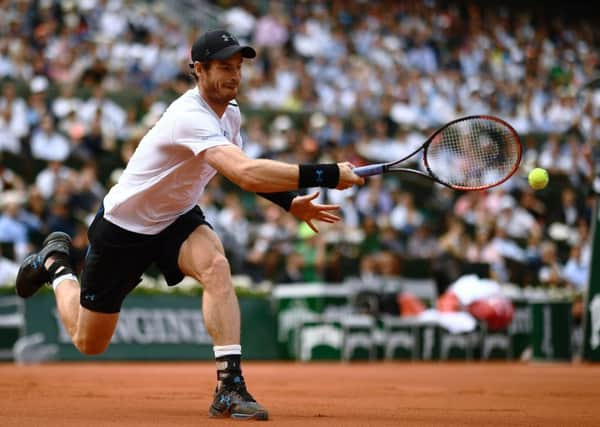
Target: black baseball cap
(218, 44)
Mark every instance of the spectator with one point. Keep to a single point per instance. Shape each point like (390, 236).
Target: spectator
(405, 217)
(112, 116)
(38, 103)
(292, 271)
(48, 178)
(13, 230)
(568, 210)
(515, 220)
(422, 243)
(49, 144)
(234, 230)
(8, 270)
(576, 271)
(88, 193)
(9, 180)
(13, 119)
(373, 200)
(271, 29)
(551, 270)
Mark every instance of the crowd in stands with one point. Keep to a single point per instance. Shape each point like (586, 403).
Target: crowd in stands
(81, 81)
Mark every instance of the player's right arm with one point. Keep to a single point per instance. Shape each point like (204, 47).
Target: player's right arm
(264, 175)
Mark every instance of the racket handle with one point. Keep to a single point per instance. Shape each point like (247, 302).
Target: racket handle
(369, 170)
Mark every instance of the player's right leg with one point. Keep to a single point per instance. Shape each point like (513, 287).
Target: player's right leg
(90, 331)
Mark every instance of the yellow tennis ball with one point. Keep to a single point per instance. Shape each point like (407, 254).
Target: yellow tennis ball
(538, 178)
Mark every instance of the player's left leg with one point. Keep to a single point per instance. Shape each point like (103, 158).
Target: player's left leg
(201, 255)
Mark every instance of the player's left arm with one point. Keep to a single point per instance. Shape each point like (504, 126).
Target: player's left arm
(305, 209)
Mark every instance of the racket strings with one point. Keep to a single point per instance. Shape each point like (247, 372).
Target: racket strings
(473, 153)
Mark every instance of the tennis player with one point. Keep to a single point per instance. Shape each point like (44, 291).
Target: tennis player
(151, 216)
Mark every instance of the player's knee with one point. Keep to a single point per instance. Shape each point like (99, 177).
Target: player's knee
(219, 266)
(90, 347)
(217, 275)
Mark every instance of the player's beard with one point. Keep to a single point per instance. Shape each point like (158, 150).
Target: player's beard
(221, 93)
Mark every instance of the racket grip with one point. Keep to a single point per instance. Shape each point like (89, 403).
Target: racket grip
(369, 170)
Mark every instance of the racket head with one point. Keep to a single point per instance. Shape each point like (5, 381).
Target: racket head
(473, 153)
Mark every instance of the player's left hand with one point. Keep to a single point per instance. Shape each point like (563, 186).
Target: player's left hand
(304, 209)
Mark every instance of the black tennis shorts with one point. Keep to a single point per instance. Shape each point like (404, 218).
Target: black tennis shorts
(117, 258)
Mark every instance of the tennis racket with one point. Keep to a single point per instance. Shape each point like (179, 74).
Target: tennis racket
(470, 153)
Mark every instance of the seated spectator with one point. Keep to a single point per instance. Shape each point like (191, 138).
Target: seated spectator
(13, 119)
(553, 157)
(8, 270)
(405, 216)
(373, 199)
(576, 271)
(112, 115)
(8, 141)
(87, 192)
(90, 145)
(551, 271)
(38, 104)
(12, 229)
(292, 271)
(35, 216)
(515, 220)
(47, 179)
(390, 240)
(482, 250)
(49, 144)
(568, 211)
(234, 229)
(8, 179)
(60, 218)
(422, 243)
(66, 102)
(264, 250)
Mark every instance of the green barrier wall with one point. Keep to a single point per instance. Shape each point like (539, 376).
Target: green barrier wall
(591, 339)
(551, 330)
(296, 319)
(160, 327)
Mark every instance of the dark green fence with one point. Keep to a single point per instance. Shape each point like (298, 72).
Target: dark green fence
(160, 327)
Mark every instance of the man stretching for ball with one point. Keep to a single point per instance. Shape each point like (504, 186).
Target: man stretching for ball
(150, 216)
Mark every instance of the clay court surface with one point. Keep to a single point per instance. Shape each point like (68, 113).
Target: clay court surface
(323, 394)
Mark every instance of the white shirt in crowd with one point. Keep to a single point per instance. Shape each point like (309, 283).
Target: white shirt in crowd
(46, 180)
(49, 146)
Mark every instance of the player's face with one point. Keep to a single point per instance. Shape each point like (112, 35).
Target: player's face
(221, 81)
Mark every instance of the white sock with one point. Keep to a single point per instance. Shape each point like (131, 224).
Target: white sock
(226, 350)
(57, 281)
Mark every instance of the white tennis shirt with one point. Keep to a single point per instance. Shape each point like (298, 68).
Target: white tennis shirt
(166, 175)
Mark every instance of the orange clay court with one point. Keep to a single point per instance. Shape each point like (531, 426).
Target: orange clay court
(314, 394)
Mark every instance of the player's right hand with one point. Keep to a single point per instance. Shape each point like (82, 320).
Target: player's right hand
(347, 177)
